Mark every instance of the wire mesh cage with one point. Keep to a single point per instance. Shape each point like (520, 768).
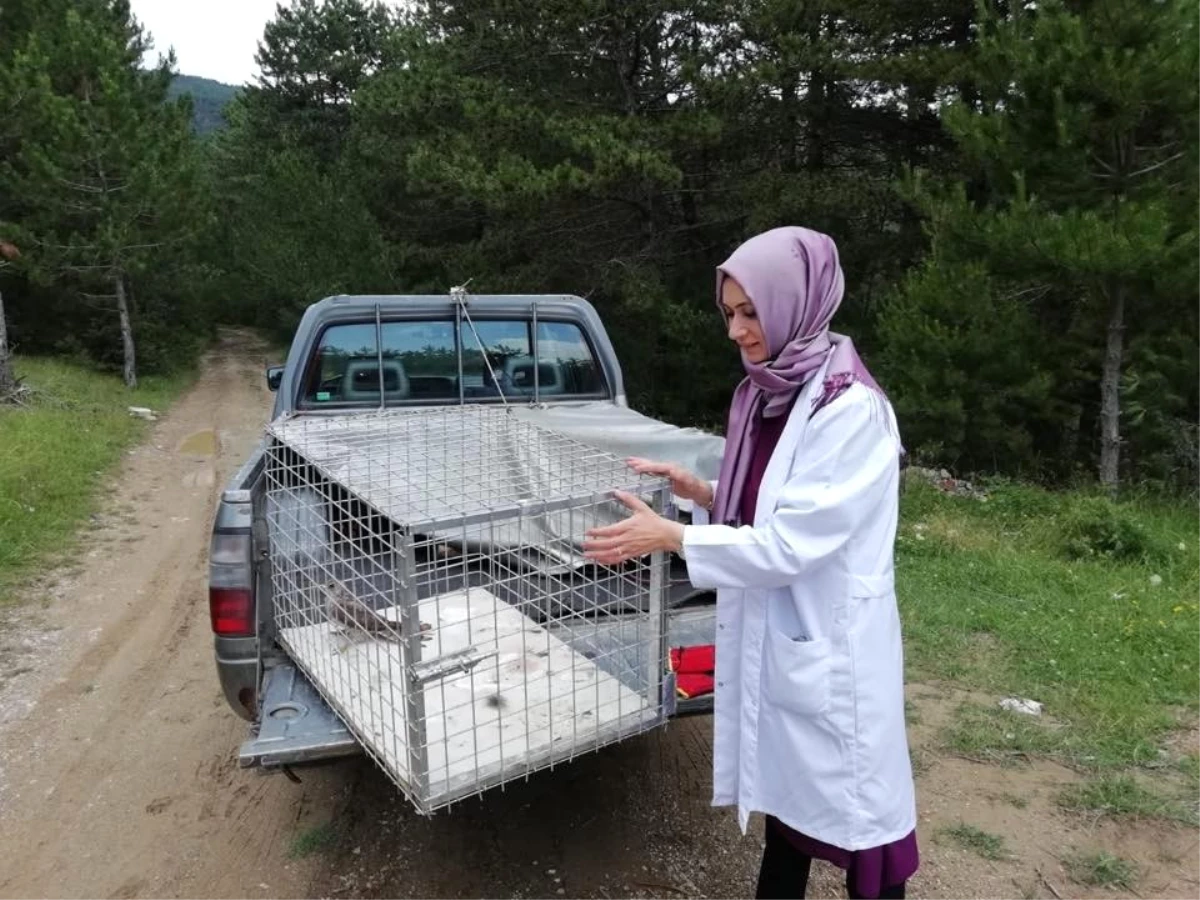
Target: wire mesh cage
(427, 575)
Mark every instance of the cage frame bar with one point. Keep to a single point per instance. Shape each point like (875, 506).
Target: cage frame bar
(414, 694)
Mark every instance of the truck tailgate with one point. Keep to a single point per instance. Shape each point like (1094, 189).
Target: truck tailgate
(296, 725)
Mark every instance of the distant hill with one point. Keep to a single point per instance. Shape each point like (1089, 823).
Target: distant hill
(208, 99)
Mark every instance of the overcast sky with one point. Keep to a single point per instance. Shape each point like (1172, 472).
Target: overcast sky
(212, 38)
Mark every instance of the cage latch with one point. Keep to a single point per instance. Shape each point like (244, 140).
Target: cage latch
(452, 663)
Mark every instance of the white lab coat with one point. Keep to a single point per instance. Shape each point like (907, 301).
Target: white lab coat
(809, 702)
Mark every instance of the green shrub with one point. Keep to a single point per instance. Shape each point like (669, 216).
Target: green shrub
(1098, 528)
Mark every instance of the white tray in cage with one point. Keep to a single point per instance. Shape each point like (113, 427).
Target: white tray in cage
(554, 702)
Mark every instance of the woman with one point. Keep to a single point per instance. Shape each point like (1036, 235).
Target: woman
(809, 723)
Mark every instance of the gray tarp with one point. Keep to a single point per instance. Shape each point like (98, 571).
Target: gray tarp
(399, 468)
(625, 432)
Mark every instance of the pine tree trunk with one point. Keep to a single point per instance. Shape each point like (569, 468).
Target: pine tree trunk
(1110, 387)
(7, 382)
(126, 333)
(816, 117)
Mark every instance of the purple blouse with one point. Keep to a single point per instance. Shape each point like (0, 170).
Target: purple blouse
(873, 869)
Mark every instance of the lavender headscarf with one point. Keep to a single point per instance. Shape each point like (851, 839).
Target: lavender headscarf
(793, 278)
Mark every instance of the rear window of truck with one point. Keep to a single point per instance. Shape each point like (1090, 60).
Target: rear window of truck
(418, 363)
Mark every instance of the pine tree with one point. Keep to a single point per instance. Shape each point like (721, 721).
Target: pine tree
(1080, 142)
(14, 25)
(313, 58)
(101, 163)
(8, 382)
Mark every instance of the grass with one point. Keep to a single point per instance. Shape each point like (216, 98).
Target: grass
(1122, 796)
(1189, 765)
(923, 762)
(54, 454)
(912, 715)
(316, 839)
(1014, 801)
(1001, 597)
(997, 736)
(978, 841)
(1102, 870)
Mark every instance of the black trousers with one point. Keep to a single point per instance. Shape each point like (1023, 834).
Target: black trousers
(784, 873)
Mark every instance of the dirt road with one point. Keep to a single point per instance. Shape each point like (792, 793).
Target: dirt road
(117, 772)
(120, 781)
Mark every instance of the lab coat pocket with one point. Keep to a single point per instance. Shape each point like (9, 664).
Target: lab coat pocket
(868, 587)
(797, 673)
(867, 609)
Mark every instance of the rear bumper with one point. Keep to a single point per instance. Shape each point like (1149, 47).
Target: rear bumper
(693, 706)
(237, 669)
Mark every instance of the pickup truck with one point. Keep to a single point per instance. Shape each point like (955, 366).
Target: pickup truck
(549, 355)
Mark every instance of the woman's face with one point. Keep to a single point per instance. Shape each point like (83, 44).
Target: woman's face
(745, 330)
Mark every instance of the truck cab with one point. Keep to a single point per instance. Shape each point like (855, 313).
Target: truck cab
(545, 356)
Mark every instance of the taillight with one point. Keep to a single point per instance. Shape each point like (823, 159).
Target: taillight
(231, 585)
(232, 611)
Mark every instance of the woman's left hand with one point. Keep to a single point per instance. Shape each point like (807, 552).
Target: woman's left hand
(642, 533)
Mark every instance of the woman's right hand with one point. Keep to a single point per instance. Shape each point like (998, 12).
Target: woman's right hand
(684, 484)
